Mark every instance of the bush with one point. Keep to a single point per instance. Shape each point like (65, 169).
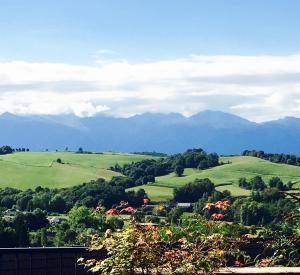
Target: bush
(174, 215)
(166, 250)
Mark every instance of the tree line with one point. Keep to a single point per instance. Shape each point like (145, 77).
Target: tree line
(4, 150)
(257, 183)
(91, 194)
(145, 171)
(276, 158)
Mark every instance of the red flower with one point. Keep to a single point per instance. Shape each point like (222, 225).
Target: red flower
(112, 211)
(237, 263)
(264, 262)
(222, 204)
(129, 210)
(209, 205)
(150, 227)
(216, 216)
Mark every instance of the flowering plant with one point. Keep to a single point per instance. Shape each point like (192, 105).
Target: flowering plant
(147, 249)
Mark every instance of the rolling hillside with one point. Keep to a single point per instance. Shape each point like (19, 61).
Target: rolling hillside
(31, 169)
(225, 176)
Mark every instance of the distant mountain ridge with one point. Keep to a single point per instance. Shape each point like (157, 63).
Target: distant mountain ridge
(214, 131)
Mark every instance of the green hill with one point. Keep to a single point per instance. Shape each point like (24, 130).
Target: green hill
(225, 176)
(31, 169)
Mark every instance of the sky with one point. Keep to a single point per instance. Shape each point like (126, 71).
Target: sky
(121, 58)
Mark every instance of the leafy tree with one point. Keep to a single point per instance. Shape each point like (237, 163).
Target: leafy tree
(57, 204)
(267, 195)
(22, 202)
(194, 191)
(41, 201)
(174, 215)
(21, 229)
(7, 202)
(254, 213)
(4, 150)
(276, 182)
(243, 183)
(179, 169)
(257, 183)
(82, 216)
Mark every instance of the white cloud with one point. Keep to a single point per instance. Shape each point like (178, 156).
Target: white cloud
(256, 87)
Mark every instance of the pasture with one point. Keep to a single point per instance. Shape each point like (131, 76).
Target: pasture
(226, 176)
(31, 169)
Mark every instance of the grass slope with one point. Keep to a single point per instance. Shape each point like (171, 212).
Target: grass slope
(225, 176)
(31, 169)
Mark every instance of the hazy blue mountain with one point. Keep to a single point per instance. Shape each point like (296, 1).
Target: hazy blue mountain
(211, 130)
(219, 119)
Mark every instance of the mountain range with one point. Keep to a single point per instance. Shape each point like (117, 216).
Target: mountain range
(213, 131)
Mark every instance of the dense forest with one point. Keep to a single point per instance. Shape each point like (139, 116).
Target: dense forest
(277, 158)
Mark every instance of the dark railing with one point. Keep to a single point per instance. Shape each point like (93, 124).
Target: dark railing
(63, 261)
(43, 261)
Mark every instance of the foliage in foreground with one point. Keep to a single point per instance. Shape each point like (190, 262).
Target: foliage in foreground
(196, 246)
(193, 248)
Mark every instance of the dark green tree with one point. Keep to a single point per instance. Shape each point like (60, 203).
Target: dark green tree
(179, 169)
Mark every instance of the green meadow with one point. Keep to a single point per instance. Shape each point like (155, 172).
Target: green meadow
(225, 176)
(32, 169)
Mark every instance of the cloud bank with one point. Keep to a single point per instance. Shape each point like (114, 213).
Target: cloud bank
(256, 87)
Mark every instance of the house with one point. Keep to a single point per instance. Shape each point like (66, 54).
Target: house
(11, 212)
(185, 205)
(54, 219)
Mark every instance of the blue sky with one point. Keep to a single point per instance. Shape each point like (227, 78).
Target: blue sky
(127, 57)
(73, 30)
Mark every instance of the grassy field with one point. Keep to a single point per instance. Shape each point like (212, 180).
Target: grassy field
(226, 176)
(31, 169)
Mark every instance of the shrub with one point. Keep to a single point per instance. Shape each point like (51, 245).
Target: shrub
(167, 250)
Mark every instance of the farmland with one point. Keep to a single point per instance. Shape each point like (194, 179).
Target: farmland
(226, 176)
(31, 169)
